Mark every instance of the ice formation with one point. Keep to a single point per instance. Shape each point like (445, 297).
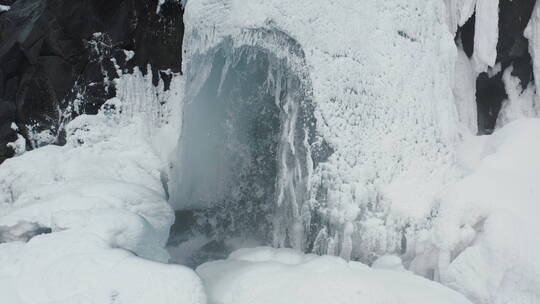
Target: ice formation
(244, 153)
(388, 119)
(464, 89)
(485, 44)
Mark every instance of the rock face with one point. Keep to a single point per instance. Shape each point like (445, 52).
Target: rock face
(58, 59)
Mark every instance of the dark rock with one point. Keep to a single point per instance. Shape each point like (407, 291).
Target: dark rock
(466, 35)
(490, 93)
(53, 51)
(513, 47)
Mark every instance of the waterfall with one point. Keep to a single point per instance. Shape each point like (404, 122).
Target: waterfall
(244, 164)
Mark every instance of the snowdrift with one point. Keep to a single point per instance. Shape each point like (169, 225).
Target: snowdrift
(271, 276)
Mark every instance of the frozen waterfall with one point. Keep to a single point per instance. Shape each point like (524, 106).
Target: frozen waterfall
(244, 161)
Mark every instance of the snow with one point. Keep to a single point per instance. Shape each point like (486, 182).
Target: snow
(94, 213)
(79, 267)
(520, 103)
(4, 8)
(272, 276)
(483, 242)
(383, 101)
(532, 33)
(487, 23)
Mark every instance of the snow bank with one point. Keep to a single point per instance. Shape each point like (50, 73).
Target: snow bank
(77, 266)
(95, 207)
(484, 241)
(272, 276)
(464, 89)
(458, 12)
(381, 80)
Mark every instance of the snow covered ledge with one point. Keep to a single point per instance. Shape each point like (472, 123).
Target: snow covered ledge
(100, 206)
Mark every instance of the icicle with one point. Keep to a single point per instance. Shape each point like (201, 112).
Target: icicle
(485, 44)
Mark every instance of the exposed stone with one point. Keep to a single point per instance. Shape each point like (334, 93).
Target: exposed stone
(55, 51)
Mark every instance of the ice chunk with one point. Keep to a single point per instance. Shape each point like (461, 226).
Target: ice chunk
(465, 92)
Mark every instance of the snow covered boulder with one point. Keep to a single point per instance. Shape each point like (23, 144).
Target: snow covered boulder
(278, 276)
(87, 222)
(77, 267)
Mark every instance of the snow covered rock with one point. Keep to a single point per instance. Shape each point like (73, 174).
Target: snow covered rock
(280, 276)
(76, 266)
(94, 213)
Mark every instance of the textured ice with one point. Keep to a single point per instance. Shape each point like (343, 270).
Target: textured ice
(464, 89)
(382, 100)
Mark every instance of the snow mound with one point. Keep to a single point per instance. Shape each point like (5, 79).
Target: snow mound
(91, 210)
(79, 267)
(272, 276)
(484, 240)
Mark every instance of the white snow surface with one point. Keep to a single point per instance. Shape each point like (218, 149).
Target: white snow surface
(520, 102)
(279, 276)
(381, 75)
(102, 198)
(483, 243)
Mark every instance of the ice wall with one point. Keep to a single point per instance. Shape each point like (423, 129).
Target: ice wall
(381, 75)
